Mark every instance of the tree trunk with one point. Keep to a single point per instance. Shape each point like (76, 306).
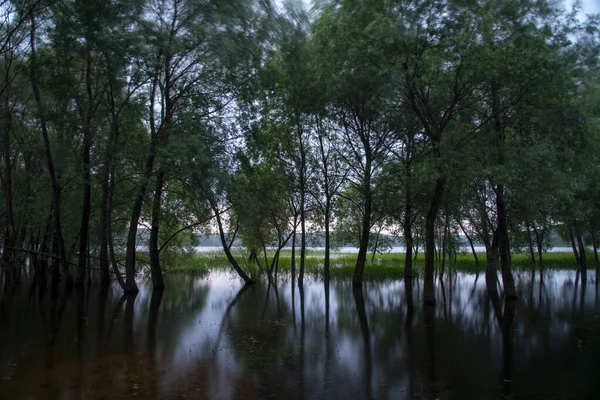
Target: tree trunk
(155, 270)
(530, 243)
(582, 258)
(444, 245)
(539, 240)
(574, 247)
(327, 238)
(428, 287)
(595, 247)
(102, 229)
(227, 248)
(302, 208)
(366, 225)
(109, 234)
(87, 185)
(408, 239)
(293, 266)
(9, 261)
(470, 242)
(505, 261)
(56, 189)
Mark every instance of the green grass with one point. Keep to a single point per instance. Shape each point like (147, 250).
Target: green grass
(388, 266)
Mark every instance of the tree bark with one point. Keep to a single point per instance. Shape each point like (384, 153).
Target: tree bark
(505, 260)
(155, 269)
(530, 244)
(8, 255)
(87, 186)
(574, 247)
(302, 208)
(470, 240)
(56, 189)
(227, 248)
(444, 245)
(102, 229)
(582, 258)
(366, 223)
(428, 287)
(408, 239)
(327, 238)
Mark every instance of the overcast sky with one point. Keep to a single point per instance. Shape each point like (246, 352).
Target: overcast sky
(589, 6)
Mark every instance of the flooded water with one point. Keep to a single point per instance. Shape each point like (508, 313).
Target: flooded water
(209, 338)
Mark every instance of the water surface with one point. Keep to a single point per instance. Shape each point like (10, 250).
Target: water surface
(210, 338)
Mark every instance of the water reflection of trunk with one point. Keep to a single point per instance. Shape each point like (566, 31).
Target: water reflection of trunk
(155, 302)
(132, 371)
(302, 338)
(444, 300)
(327, 339)
(431, 365)
(102, 299)
(266, 300)
(80, 316)
(57, 311)
(366, 336)
(128, 322)
(507, 345)
(408, 288)
(226, 314)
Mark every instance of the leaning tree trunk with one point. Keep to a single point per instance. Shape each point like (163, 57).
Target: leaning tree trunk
(434, 206)
(470, 240)
(574, 247)
(155, 270)
(56, 189)
(227, 248)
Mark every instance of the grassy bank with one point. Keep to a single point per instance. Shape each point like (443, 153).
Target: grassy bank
(384, 266)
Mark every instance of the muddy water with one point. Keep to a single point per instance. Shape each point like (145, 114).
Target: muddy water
(209, 338)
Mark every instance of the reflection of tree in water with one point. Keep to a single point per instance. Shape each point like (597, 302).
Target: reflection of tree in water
(372, 344)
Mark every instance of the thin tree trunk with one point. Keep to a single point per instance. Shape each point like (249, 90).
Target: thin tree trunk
(539, 240)
(155, 270)
(86, 174)
(595, 247)
(408, 239)
(8, 255)
(102, 228)
(530, 243)
(428, 289)
(574, 247)
(582, 258)
(293, 266)
(376, 245)
(109, 233)
(505, 261)
(227, 246)
(302, 208)
(462, 228)
(327, 238)
(444, 245)
(56, 189)
(366, 226)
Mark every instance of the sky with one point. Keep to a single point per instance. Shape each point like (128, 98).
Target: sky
(589, 6)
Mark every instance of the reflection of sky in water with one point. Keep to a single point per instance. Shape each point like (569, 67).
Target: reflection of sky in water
(260, 348)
